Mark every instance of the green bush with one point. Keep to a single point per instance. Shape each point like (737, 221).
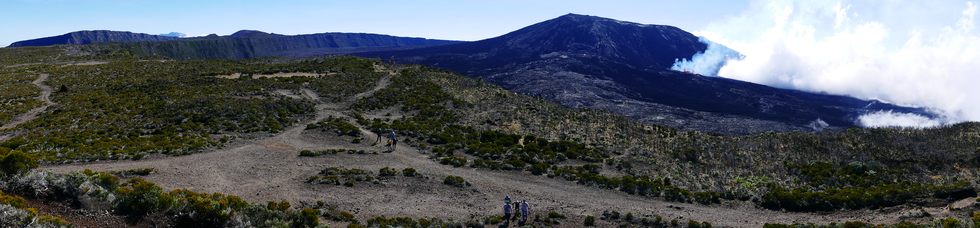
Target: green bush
(341, 176)
(555, 215)
(589, 220)
(456, 161)
(202, 209)
(387, 172)
(280, 206)
(455, 181)
(409, 172)
(15, 162)
(138, 197)
(15, 201)
(308, 217)
(855, 186)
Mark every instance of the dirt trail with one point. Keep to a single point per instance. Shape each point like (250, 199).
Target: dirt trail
(45, 96)
(270, 169)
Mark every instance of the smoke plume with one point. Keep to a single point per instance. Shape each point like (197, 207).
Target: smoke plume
(707, 63)
(914, 53)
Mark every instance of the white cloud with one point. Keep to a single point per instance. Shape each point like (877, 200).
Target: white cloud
(862, 49)
(895, 119)
(708, 62)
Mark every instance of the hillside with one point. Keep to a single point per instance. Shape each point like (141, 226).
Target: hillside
(303, 131)
(592, 62)
(91, 37)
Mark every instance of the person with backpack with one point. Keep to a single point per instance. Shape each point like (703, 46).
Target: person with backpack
(394, 140)
(525, 210)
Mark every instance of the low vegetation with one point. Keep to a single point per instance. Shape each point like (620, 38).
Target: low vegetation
(661, 162)
(455, 181)
(317, 153)
(14, 212)
(138, 199)
(19, 95)
(13, 162)
(855, 186)
(341, 176)
(127, 109)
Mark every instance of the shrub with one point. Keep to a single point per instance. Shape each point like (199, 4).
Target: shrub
(15, 201)
(555, 215)
(134, 172)
(409, 172)
(456, 161)
(493, 220)
(281, 206)
(589, 220)
(340, 175)
(387, 172)
(138, 197)
(308, 217)
(455, 181)
(53, 221)
(976, 218)
(16, 162)
(209, 210)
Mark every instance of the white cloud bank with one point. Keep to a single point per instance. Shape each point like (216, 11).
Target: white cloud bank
(914, 53)
(894, 119)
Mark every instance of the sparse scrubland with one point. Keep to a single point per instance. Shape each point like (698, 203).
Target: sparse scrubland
(130, 109)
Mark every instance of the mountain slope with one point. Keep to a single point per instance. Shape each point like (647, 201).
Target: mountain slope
(91, 37)
(594, 62)
(252, 44)
(240, 45)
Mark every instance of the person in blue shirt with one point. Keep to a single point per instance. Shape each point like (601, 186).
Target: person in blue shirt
(525, 210)
(394, 140)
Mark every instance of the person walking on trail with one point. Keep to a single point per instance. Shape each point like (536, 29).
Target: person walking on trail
(380, 135)
(394, 140)
(516, 206)
(525, 210)
(508, 210)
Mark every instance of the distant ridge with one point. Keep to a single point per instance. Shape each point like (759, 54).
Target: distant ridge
(239, 45)
(92, 37)
(254, 44)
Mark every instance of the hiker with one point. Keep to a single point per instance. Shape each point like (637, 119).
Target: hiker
(394, 141)
(507, 212)
(376, 142)
(525, 210)
(516, 206)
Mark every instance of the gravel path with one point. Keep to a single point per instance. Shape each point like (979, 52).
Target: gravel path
(45, 96)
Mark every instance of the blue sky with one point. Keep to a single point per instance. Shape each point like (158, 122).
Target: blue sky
(446, 19)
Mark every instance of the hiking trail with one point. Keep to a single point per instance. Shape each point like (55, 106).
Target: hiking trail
(32, 114)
